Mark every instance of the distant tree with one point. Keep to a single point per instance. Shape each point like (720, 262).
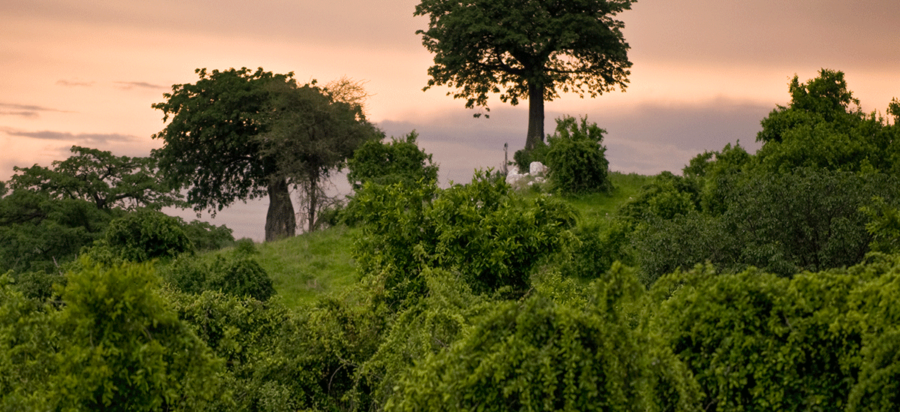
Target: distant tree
(310, 135)
(99, 177)
(525, 49)
(210, 144)
(400, 160)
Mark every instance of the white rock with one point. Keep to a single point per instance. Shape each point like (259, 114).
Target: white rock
(512, 178)
(537, 168)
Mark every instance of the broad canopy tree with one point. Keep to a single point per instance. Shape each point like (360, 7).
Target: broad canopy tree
(230, 138)
(99, 177)
(529, 49)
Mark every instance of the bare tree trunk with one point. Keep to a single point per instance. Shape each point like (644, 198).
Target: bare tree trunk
(312, 197)
(535, 115)
(280, 220)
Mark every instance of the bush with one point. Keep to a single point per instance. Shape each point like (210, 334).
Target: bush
(576, 157)
(206, 237)
(483, 230)
(542, 355)
(237, 275)
(401, 160)
(146, 234)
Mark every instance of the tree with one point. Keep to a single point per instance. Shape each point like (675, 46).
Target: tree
(531, 50)
(211, 145)
(310, 135)
(99, 177)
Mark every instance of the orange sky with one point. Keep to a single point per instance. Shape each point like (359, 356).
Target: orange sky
(705, 72)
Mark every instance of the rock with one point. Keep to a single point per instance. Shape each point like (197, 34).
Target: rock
(536, 168)
(512, 178)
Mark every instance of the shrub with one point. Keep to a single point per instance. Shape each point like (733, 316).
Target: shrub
(523, 158)
(206, 237)
(542, 355)
(237, 275)
(401, 160)
(146, 234)
(483, 230)
(576, 157)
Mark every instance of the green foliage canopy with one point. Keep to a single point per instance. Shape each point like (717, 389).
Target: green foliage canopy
(400, 160)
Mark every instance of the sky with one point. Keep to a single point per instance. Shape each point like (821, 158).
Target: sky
(705, 73)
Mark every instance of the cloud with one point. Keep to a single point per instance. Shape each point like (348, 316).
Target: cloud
(74, 83)
(25, 110)
(82, 138)
(139, 85)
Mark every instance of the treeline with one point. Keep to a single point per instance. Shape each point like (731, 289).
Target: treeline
(762, 281)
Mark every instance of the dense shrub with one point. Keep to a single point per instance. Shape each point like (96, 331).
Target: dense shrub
(113, 344)
(523, 158)
(542, 355)
(206, 237)
(238, 275)
(483, 230)
(576, 157)
(398, 161)
(146, 234)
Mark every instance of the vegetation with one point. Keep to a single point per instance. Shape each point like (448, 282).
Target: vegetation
(751, 281)
(529, 50)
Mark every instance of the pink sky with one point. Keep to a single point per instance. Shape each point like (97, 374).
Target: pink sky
(705, 72)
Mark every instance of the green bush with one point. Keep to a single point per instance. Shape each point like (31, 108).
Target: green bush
(237, 275)
(576, 157)
(206, 237)
(401, 160)
(483, 230)
(146, 234)
(542, 355)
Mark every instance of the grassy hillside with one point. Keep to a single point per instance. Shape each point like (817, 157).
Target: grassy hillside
(310, 265)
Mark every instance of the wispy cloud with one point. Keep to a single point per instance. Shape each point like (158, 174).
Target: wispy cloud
(25, 110)
(73, 83)
(139, 85)
(85, 138)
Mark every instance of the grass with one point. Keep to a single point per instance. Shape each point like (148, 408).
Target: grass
(307, 266)
(598, 206)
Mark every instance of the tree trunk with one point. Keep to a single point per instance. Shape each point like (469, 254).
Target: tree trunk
(313, 202)
(280, 220)
(535, 116)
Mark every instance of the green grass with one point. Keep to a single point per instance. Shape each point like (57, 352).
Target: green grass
(598, 206)
(307, 266)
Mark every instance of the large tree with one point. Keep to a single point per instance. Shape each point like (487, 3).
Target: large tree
(528, 49)
(312, 131)
(211, 144)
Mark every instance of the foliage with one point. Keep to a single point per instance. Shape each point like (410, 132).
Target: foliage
(400, 160)
(529, 50)
(237, 275)
(783, 224)
(248, 335)
(665, 197)
(883, 225)
(207, 237)
(758, 342)
(483, 230)
(310, 135)
(114, 344)
(211, 145)
(542, 355)
(821, 128)
(576, 157)
(99, 177)
(145, 234)
(40, 234)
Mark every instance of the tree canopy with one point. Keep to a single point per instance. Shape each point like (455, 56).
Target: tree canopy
(99, 177)
(525, 50)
